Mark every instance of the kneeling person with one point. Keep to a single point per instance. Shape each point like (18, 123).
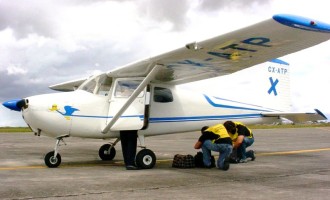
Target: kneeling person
(215, 138)
(242, 138)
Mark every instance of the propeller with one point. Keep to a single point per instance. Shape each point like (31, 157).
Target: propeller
(16, 104)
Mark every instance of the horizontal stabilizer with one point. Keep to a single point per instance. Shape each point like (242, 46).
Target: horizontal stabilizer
(68, 86)
(298, 117)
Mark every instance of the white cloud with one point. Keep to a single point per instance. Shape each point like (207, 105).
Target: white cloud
(15, 70)
(43, 43)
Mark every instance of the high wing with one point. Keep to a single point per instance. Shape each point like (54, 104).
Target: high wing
(231, 52)
(228, 53)
(298, 117)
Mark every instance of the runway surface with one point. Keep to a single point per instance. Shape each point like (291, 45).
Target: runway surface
(290, 164)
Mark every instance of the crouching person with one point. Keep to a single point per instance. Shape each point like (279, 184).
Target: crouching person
(242, 138)
(215, 138)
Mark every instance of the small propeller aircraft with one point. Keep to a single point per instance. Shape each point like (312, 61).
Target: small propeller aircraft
(144, 96)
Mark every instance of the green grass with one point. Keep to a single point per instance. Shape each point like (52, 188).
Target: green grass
(14, 129)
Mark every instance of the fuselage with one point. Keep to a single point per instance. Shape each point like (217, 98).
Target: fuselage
(172, 110)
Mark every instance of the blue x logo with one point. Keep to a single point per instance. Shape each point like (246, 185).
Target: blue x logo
(273, 85)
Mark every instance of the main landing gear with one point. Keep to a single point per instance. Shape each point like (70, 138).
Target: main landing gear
(145, 158)
(108, 151)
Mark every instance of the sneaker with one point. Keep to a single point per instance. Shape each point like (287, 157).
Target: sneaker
(209, 167)
(253, 157)
(242, 161)
(226, 164)
(233, 160)
(131, 167)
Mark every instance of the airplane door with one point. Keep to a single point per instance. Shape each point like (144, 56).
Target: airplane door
(134, 116)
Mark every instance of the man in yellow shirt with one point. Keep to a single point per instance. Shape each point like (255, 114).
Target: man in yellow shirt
(215, 138)
(242, 138)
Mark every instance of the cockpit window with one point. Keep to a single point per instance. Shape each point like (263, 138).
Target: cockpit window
(105, 83)
(88, 86)
(100, 85)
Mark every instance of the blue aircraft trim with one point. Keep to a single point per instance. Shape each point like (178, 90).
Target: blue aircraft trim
(107, 117)
(201, 118)
(232, 107)
(302, 23)
(278, 61)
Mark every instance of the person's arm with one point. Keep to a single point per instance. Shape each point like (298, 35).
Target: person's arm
(198, 145)
(200, 141)
(239, 141)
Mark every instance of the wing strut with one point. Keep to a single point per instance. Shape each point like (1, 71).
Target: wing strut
(129, 101)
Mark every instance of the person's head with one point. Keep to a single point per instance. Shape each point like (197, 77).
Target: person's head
(204, 129)
(230, 126)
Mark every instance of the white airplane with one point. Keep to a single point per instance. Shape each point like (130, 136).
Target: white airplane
(144, 96)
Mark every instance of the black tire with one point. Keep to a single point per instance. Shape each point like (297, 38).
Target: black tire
(105, 154)
(145, 159)
(51, 161)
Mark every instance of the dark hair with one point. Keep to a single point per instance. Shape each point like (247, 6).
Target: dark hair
(204, 128)
(230, 126)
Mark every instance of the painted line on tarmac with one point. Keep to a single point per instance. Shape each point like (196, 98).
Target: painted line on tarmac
(292, 152)
(121, 163)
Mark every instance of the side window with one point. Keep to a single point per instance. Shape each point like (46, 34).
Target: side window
(126, 88)
(162, 95)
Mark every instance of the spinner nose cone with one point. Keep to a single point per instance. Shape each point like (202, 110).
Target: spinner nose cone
(15, 104)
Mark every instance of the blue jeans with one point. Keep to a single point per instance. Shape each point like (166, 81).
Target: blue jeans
(223, 149)
(241, 150)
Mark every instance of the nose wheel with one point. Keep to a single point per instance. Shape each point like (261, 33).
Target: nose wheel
(51, 160)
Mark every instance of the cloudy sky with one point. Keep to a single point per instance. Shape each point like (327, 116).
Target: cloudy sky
(51, 41)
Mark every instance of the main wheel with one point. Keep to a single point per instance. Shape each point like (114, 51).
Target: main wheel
(51, 161)
(105, 154)
(145, 159)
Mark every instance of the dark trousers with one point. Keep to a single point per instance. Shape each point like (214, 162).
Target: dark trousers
(128, 143)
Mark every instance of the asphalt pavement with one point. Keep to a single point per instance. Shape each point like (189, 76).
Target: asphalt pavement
(291, 164)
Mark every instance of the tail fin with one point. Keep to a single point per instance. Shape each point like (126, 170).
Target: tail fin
(265, 85)
(269, 85)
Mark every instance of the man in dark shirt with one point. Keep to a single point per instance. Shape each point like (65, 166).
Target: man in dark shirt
(215, 138)
(242, 138)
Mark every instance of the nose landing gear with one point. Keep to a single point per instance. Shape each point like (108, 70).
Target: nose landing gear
(53, 159)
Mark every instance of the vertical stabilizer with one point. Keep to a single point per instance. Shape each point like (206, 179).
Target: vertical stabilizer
(265, 85)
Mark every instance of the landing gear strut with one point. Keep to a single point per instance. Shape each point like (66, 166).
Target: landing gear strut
(53, 158)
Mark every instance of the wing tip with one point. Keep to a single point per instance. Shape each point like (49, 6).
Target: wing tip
(302, 23)
(320, 113)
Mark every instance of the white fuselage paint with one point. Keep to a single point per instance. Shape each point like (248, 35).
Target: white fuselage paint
(83, 114)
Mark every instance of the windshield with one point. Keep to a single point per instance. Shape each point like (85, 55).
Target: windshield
(99, 84)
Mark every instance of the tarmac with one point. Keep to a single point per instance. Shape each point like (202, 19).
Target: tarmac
(290, 164)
